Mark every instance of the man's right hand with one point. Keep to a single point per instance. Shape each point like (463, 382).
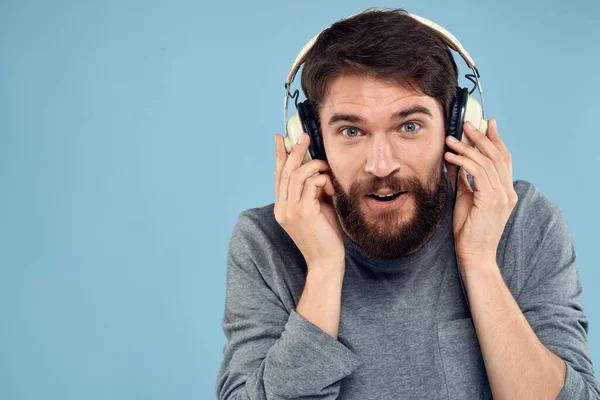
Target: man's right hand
(303, 206)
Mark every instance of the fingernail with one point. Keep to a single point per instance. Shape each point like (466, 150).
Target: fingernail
(302, 139)
(470, 125)
(452, 139)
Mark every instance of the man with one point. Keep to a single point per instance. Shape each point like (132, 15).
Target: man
(347, 286)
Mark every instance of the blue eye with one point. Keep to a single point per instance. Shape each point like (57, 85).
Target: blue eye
(352, 132)
(411, 127)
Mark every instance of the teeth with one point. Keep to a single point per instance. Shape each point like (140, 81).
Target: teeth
(385, 195)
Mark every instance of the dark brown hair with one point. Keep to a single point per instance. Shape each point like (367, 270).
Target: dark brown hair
(386, 44)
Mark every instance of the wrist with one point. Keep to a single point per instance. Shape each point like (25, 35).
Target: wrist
(321, 272)
(320, 302)
(331, 266)
(478, 262)
(483, 270)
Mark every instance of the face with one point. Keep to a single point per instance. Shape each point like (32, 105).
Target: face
(384, 144)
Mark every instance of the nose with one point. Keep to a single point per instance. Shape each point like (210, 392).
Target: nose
(381, 160)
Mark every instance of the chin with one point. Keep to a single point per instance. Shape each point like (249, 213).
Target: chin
(390, 220)
(404, 213)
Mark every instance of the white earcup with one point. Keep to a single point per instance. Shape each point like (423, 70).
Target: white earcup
(474, 114)
(294, 130)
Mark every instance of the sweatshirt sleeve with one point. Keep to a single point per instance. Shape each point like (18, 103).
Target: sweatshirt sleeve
(552, 296)
(272, 352)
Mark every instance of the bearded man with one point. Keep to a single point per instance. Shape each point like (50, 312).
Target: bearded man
(349, 285)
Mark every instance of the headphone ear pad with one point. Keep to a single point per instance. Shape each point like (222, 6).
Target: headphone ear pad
(456, 117)
(311, 126)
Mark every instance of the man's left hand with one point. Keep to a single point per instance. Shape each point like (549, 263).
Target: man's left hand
(480, 215)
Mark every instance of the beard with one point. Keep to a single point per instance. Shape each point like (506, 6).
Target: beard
(392, 234)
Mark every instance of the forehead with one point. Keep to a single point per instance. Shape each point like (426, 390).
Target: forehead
(367, 94)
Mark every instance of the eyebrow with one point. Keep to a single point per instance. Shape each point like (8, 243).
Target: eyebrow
(355, 119)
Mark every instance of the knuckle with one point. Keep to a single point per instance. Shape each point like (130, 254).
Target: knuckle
(295, 176)
(317, 179)
(316, 165)
(298, 148)
(286, 174)
(313, 181)
(478, 138)
(496, 156)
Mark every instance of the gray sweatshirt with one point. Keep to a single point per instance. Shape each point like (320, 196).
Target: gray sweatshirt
(405, 331)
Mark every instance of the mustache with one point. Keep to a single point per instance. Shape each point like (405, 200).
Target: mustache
(397, 184)
(391, 182)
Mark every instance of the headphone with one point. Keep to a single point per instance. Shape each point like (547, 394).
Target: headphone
(463, 107)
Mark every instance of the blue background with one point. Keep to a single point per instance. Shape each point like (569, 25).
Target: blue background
(132, 134)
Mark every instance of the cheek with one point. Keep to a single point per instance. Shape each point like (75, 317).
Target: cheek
(343, 172)
(434, 149)
(428, 156)
(339, 161)
(435, 144)
(344, 167)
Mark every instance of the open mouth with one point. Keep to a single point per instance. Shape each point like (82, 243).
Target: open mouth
(384, 198)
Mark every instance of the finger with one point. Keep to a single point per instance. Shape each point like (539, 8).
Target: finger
(483, 163)
(292, 163)
(494, 137)
(451, 170)
(464, 184)
(280, 158)
(313, 187)
(480, 177)
(326, 194)
(464, 202)
(488, 149)
(300, 176)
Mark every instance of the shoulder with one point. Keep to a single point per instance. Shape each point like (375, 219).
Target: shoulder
(537, 228)
(261, 250)
(259, 222)
(536, 237)
(531, 198)
(255, 219)
(257, 233)
(534, 211)
(256, 227)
